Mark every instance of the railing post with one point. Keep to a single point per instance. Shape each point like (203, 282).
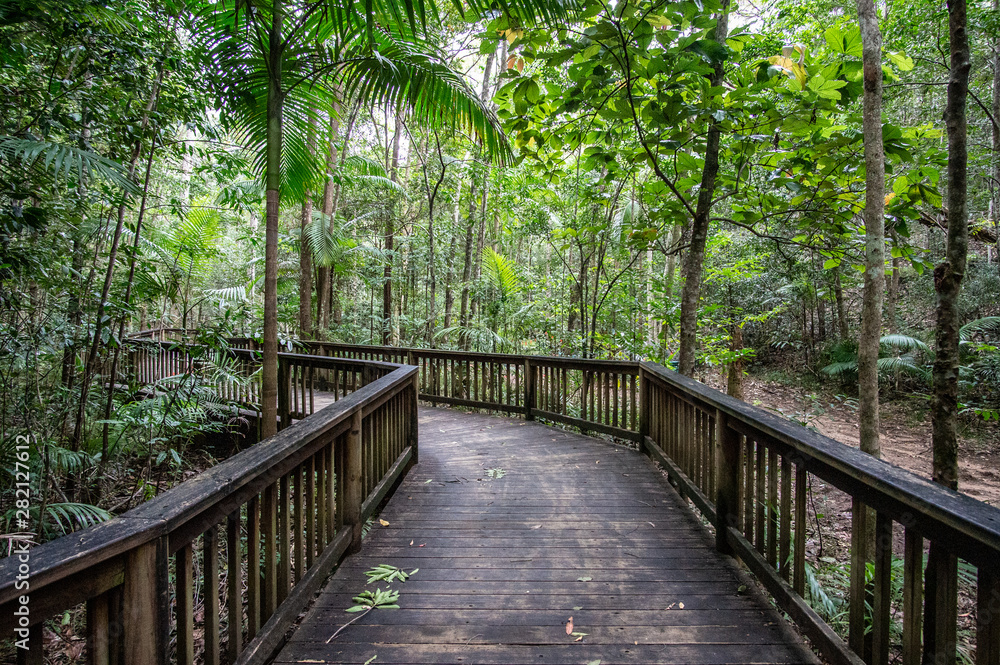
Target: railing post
(352, 490)
(529, 390)
(644, 407)
(143, 605)
(414, 419)
(284, 388)
(728, 478)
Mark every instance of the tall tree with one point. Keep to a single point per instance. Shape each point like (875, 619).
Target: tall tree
(942, 566)
(874, 216)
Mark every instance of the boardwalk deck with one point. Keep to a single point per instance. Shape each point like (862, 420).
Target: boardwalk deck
(576, 528)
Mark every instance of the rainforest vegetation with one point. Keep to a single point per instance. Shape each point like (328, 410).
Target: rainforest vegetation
(722, 187)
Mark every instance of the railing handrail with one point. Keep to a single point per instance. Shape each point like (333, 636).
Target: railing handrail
(931, 507)
(256, 466)
(593, 363)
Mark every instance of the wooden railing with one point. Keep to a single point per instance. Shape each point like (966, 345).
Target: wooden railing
(750, 473)
(252, 537)
(593, 395)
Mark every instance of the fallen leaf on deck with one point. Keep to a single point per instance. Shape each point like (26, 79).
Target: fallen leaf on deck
(428, 480)
(383, 522)
(569, 626)
(584, 579)
(595, 662)
(680, 605)
(421, 544)
(411, 543)
(577, 608)
(671, 606)
(537, 526)
(578, 635)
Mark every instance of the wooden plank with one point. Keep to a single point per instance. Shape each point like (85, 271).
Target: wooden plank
(508, 560)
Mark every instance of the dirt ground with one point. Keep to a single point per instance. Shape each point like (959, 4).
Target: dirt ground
(906, 432)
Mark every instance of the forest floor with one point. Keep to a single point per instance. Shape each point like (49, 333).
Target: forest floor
(905, 428)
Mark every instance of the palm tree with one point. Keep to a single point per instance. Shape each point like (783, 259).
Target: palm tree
(277, 60)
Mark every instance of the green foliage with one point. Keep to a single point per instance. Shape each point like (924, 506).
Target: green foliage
(378, 599)
(389, 574)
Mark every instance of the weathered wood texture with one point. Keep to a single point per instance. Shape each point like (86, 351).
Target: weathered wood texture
(575, 527)
(287, 523)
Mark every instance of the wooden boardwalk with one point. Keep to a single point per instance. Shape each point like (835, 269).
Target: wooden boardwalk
(575, 527)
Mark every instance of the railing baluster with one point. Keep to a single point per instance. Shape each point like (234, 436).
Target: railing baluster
(859, 561)
(882, 603)
(185, 606)
(785, 536)
(310, 510)
(283, 540)
(98, 624)
(987, 618)
(799, 572)
(298, 494)
(234, 587)
(210, 589)
(269, 517)
(253, 568)
(772, 506)
(913, 566)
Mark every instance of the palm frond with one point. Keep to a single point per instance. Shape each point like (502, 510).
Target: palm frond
(501, 273)
(985, 325)
(410, 76)
(903, 343)
(65, 161)
(902, 365)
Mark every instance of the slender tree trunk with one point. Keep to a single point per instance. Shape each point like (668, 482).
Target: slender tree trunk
(470, 225)
(694, 261)
(734, 383)
(269, 370)
(327, 296)
(390, 241)
(838, 294)
(949, 274)
(874, 216)
(942, 566)
(893, 297)
(305, 253)
(995, 212)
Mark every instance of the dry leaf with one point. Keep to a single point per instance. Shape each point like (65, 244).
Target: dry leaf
(411, 543)
(569, 626)
(680, 605)
(584, 579)
(383, 522)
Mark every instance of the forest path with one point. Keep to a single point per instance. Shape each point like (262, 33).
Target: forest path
(517, 529)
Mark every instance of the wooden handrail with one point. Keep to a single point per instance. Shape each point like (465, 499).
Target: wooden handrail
(287, 510)
(749, 471)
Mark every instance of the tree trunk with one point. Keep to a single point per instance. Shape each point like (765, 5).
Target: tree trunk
(326, 294)
(694, 261)
(305, 254)
(996, 137)
(269, 360)
(874, 216)
(893, 301)
(838, 294)
(734, 383)
(390, 240)
(948, 275)
(939, 641)
(467, 269)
